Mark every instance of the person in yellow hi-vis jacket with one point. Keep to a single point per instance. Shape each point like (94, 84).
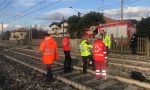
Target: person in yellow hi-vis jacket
(85, 48)
(106, 39)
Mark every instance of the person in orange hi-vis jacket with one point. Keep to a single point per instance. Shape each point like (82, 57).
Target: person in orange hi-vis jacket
(100, 57)
(49, 51)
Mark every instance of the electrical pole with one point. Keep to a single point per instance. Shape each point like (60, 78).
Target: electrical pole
(122, 1)
(31, 33)
(79, 13)
(63, 26)
(102, 7)
(2, 31)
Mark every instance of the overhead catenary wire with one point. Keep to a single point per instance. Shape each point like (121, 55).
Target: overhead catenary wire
(31, 8)
(39, 9)
(3, 3)
(62, 0)
(111, 6)
(25, 10)
(124, 3)
(6, 5)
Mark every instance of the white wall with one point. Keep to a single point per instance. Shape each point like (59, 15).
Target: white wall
(59, 30)
(20, 35)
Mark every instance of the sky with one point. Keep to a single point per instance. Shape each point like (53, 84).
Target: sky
(27, 13)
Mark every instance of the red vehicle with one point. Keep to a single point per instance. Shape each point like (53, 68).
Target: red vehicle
(119, 29)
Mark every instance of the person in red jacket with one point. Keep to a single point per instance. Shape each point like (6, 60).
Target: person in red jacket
(99, 55)
(66, 48)
(49, 52)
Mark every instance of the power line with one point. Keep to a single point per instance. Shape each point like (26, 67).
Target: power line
(6, 5)
(33, 6)
(113, 5)
(3, 3)
(25, 10)
(40, 9)
(103, 7)
(124, 4)
(122, 7)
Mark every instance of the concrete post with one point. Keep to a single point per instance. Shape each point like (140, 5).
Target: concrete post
(147, 46)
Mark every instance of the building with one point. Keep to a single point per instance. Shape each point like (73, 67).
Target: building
(58, 29)
(19, 34)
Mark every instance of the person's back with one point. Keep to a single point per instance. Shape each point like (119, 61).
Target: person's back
(66, 48)
(66, 44)
(99, 54)
(99, 49)
(49, 51)
(49, 48)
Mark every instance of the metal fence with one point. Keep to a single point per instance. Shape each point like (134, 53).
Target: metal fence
(119, 45)
(122, 46)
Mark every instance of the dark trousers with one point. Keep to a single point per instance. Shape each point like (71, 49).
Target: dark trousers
(49, 71)
(85, 62)
(67, 62)
(107, 50)
(90, 57)
(134, 50)
(84, 58)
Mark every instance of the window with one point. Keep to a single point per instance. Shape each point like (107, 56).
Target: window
(53, 29)
(21, 34)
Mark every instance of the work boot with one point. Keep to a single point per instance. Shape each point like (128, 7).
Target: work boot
(49, 78)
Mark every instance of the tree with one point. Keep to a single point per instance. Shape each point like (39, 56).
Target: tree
(35, 34)
(41, 34)
(78, 24)
(143, 27)
(92, 19)
(133, 21)
(7, 35)
(73, 22)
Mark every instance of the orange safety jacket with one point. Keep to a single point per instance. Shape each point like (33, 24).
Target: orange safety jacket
(99, 51)
(66, 44)
(49, 50)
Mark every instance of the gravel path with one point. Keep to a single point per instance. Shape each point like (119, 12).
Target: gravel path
(14, 76)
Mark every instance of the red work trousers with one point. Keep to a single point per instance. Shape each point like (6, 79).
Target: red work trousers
(100, 69)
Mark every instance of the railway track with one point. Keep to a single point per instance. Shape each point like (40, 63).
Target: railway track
(117, 66)
(22, 76)
(77, 79)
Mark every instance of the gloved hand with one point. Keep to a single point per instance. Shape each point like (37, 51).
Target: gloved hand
(90, 62)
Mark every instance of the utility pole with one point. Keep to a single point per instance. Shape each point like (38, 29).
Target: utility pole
(31, 33)
(63, 26)
(79, 13)
(2, 31)
(102, 7)
(122, 1)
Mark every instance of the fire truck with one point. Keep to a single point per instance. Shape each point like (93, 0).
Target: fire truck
(121, 29)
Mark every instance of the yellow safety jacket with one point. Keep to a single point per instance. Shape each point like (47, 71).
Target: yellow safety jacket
(107, 40)
(85, 48)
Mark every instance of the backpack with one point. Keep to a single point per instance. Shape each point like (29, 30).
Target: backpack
(137, 76)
